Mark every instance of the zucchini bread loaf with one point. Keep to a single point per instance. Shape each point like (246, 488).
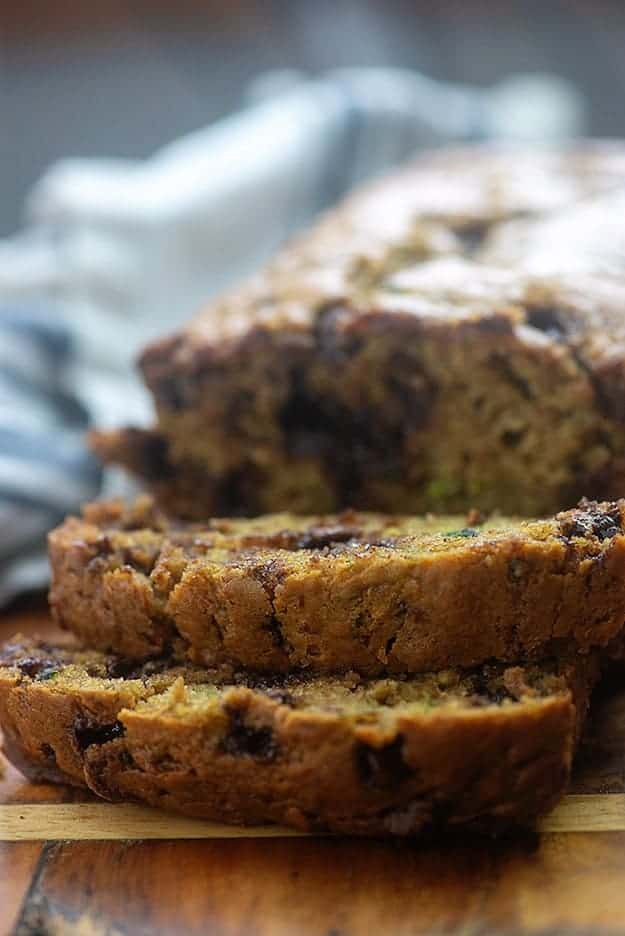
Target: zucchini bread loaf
(346, 592)
(491, 746)
(451, 336)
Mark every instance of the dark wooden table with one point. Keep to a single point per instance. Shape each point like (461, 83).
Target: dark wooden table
(69, 864)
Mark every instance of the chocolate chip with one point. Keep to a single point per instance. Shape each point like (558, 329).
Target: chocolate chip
(315, 537)
(246, 740)
(48, 752)
(512, 438)
(238, 490)
(119, 668)
(382, 768)
(321, 536)
(87, 732)
(548, 320)
(372, 436)
(472, 234)
(390, 643)
(151, 457)
(605, 527)
(386, 543)
(592, 522)
(37, 667)
(495, 696)
(169, 392)
(487, 689)
(272, 624)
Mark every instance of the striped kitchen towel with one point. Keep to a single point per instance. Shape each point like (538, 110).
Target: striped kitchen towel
(45, 468)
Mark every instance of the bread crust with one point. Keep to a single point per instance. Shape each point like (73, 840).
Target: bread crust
(488, 748)
(335, 593)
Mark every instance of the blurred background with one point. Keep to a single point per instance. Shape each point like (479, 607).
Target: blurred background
(154, 151)
(122, 77)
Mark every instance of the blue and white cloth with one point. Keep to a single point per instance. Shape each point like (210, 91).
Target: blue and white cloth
(45, 468)
(115, 252)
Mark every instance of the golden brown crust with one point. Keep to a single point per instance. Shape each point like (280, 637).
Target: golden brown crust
(491, 746)
(334, 593)
(451, 336)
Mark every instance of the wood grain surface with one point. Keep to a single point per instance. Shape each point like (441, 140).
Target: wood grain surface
(72, 864)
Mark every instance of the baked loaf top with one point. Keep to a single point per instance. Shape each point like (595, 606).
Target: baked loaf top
(384, 756)
(451, 335)
(335, 593)
(535, 211)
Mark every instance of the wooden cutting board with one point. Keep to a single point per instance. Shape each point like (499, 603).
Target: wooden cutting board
(71, 864)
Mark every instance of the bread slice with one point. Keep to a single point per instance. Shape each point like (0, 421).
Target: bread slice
(335, 593)
(491, 746)
(451, 336)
